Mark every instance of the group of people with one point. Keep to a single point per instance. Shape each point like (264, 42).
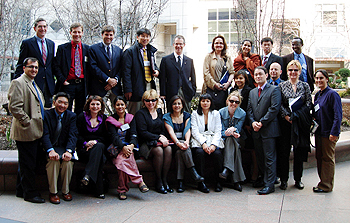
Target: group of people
(233, 121)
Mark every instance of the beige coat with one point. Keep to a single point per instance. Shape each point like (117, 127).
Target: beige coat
(209, 70)
(27, 123)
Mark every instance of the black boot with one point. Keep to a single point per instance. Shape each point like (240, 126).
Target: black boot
(180, 188)
(196, 177)
(224, 174)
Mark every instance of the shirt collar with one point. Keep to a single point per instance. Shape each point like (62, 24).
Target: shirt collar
(181, 56)
(74, 45)
(262, 87)
(58, 114)
(295, 54)
(268, 55)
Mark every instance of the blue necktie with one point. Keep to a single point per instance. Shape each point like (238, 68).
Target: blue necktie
(41, 103)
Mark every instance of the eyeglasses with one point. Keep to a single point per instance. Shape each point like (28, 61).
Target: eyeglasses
(31, 67)
(151, 100)
(291, 70)
(233, 101)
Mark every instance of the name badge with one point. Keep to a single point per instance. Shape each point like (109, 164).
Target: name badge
(317, 107)
(146, 63)
(125, 127)
(178, 135)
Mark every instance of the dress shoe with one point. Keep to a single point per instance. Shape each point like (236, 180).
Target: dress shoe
(299, 185)
(180, 188)
(218, 187)
(196, 177)
(318, 190)
(101, 196)
(169, 189)
(202, 187)
(67, 197)
(36, 199)
(85, 180)
(224, 174)
(54, 198)
(283, 185)
(266, 190)
(237, 186)
(277, 181)
(161, 190)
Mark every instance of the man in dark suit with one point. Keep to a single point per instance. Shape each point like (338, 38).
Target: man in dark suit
(307, 63)
(138, 69)
(59, 141)
(105, 61)
(72, 68)
(268, 57)
(44, 50)
(177, 75)
(26, 104)
(263, 106)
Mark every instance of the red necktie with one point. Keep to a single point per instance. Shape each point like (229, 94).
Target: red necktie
(259, 91)
(43, 51)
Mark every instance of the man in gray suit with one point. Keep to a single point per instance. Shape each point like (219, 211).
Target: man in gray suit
(263, 106)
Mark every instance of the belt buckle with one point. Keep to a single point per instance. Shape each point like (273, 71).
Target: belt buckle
(77, 81)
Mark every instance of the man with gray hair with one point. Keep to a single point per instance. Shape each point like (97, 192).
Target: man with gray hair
(177, 75)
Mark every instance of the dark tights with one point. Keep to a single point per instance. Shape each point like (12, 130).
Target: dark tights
(161, 163)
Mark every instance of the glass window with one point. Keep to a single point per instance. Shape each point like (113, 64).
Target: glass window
(224, 26)
(223, 14)
(211, 37)
(212, 14)
(318, 7)
(235, 39)
(329, 18)
(329, 7)
(212, 26)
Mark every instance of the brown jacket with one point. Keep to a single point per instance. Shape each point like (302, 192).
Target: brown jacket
(27, 123)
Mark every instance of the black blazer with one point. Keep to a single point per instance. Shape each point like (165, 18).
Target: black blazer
(272, 59)
(63, 61)
(265, 109)
(133, 71)
(30, 48)
(101, 70)
(310, 69)
(69, 133)
(170, 74)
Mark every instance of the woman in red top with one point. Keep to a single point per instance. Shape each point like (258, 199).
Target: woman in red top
(247, 60)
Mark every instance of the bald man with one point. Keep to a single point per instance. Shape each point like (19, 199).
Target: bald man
(275, 74)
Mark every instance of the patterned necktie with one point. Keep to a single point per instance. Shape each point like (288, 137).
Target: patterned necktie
(265, 60)
(58, 130)
(77, 63)
(148, 76)
(41, 103)
(259, 92)
(43, 51)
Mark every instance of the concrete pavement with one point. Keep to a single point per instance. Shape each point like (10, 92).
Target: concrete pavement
(292, 205)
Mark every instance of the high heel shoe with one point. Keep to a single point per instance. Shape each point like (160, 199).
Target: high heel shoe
(161, 190)
(180, 188)
(237, 186)
(196, 177)
(168, 189)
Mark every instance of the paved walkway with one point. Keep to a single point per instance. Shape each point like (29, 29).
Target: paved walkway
(292, 205)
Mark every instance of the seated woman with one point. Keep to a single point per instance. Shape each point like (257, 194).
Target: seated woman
(232, 120)
(247, 60)
(178, 124)
(122, 129)
(153, 143)
(206, 139)
(92, 141)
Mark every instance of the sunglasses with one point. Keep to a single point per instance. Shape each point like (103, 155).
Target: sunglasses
(31, 67)
(151, 100)
(291, 70)
(233, 101)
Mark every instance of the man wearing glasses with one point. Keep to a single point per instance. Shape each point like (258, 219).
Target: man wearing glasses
(26, 105)
(43, 49)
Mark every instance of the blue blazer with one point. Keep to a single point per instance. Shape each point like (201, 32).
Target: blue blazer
(239, 117)
(63, 62)
(30, 48)
(101, 70)
(69, 133)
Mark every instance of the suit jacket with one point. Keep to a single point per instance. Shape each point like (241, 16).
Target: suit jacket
(63, 62)
(101, 70)
(69, 132)
(265, 109)
(170, 74)
(272, 59)
(27, 123)
(133, 70)
(310, 69)
(30, 48)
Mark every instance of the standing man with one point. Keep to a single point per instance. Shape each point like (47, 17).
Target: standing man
(268, 57)
(26, 103)
(105, 61)
(177, 75)
(263, 106)
(307, 63)
(59, 141)
(139, 68)
(44, 50)
(72, 68)
(275, 74)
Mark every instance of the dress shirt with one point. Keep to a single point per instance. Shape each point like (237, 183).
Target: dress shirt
(177, 57)
(38, 40)
(302, 60)
(278, 81)
(267, 57)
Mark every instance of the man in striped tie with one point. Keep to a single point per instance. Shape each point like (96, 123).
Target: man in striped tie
(138, 70)
(268, 57)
